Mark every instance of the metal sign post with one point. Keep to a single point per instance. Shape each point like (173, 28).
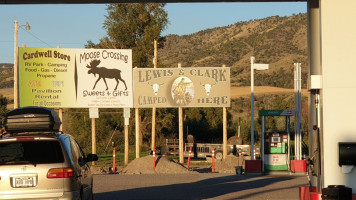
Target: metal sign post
(93, 114)
(253, 67)
(127, 117)
(298, 110)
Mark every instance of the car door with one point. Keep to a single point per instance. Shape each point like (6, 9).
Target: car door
(82, 167)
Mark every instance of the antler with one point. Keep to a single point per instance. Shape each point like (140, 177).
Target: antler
(93, 63)
(207, 83)
(160, 84)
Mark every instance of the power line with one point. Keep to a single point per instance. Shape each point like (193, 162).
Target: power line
(36, 37)
(12, 42)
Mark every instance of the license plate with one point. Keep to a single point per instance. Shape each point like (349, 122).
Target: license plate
(24, 182)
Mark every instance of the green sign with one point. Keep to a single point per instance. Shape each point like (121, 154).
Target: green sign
(276, 112)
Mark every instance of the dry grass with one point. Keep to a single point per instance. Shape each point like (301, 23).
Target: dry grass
(8, 93)
(237, 92)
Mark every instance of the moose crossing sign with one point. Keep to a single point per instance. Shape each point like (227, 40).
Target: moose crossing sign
(62, 78)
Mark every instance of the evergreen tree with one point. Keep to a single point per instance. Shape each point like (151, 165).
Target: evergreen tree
(134, 26)
(3, 107)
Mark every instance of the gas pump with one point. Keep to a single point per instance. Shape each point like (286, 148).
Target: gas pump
(275, 145)
(276, 149)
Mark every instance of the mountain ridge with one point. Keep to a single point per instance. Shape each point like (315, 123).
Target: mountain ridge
(277, 41)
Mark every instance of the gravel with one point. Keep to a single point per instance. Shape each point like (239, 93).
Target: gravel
(229, 164)
(144, 165)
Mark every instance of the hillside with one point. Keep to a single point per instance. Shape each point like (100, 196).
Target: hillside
(278, 41)
(6, 75)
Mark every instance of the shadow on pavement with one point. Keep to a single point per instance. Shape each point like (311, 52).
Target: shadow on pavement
(233, 187)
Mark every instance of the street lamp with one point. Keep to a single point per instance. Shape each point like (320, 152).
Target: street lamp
(16, 98)
(254, 67)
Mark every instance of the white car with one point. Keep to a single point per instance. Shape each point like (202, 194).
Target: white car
(43, 164)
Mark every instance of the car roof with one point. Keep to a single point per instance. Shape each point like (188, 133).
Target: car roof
(38, 135)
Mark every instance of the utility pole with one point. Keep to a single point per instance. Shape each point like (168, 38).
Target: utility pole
(180, 136)
(153, 142)
(224, 131)
(16, 55)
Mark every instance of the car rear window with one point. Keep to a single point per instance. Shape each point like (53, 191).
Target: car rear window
(30, 152)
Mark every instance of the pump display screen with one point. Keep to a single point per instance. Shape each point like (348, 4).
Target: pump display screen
(276, 143)
(276, 139)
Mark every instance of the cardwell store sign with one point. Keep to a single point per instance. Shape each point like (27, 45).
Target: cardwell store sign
(182, 87)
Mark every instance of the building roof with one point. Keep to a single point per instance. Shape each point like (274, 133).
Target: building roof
(127, 1)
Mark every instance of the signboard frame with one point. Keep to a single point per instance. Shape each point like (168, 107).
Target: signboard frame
(75, 78)
(182, 87)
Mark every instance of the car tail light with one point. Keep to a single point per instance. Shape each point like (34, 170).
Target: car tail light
(25, 138)
(60, 173)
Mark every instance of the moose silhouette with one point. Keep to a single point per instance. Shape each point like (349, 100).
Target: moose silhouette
(104, 72)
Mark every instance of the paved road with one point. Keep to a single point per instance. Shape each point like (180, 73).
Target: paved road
(197, 186)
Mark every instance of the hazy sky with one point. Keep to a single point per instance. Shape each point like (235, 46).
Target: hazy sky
(71, 26)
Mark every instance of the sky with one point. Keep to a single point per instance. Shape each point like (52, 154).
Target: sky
(71, 26)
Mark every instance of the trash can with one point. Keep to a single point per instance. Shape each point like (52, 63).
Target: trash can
(336, 192)
(238, 170)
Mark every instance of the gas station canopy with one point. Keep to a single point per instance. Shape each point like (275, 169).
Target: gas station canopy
(126, 1)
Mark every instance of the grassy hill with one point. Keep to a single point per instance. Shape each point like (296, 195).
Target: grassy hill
(6, 75)
(278, 41)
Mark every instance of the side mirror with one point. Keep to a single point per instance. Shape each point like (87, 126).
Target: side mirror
(91, 157)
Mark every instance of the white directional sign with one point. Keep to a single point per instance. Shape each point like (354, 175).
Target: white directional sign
(260, 66)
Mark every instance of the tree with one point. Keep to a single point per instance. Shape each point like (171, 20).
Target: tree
(134, 26)
(3, 107)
